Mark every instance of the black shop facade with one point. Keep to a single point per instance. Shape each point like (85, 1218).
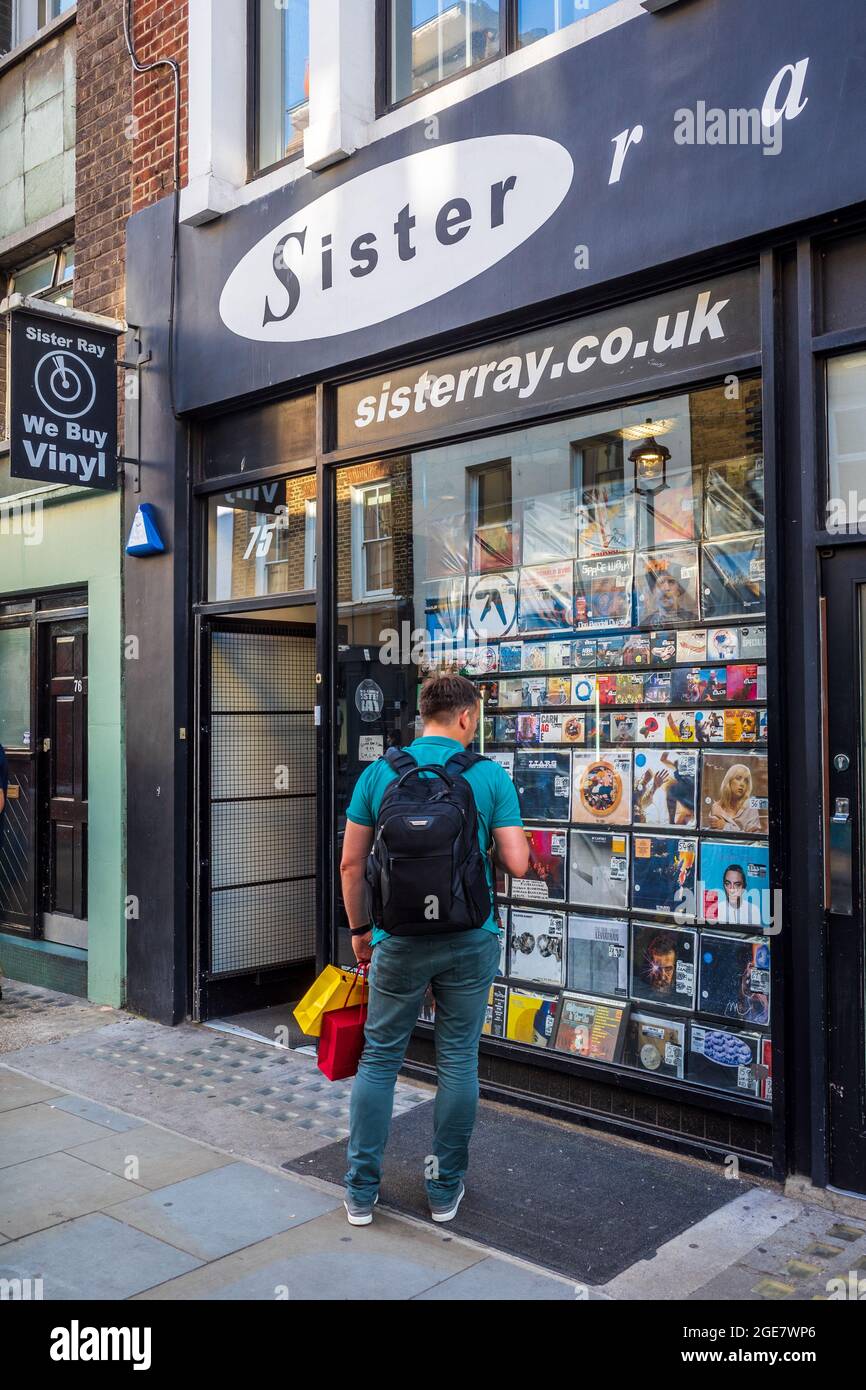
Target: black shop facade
(493, 403)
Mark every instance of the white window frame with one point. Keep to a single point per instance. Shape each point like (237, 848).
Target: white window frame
(310, 556)
(360, 592)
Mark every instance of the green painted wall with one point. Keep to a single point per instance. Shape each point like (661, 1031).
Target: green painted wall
(78, 541)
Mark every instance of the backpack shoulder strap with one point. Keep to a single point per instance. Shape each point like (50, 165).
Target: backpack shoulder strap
(400, 761)
(461, 762)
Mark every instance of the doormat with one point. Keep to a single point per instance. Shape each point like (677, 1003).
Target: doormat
(563, 1198)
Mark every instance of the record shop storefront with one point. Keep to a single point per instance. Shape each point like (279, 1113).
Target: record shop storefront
(419, 429)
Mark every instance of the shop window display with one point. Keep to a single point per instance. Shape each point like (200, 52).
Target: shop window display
(602, 580)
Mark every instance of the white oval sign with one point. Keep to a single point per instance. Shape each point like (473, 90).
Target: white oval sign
(395, 238)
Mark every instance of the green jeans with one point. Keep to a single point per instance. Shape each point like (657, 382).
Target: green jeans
(461, 966)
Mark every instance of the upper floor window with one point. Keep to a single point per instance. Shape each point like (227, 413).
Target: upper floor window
(50, 277)
(282, 46)
(21, 19)
(372, 540)
(431, 40)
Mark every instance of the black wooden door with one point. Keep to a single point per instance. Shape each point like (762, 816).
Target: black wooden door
(63, 769)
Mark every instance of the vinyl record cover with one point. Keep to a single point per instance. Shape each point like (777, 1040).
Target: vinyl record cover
(697, 685)
(511, 657)
(636, 649)
(546, 598)
(584, 653)
(597, 729)
(710, 726)
(445, 610)
(493, 605)
(583, 690)
(591, 1028)
(598, 868)
(734, 793)
(505, 728)
(510, 693)
(663, 648)
(496, 547)
(559, 653)
(692, 645)
(545, 878)
(606, 687)
(723, 644)
(734, 886)
(550, 528)
(597, 956)
(656, 1045)
(488, 727)
(496, 1013)
(505, 759)
(601, 788)
(724, 1059)
(543, 781)
(482, 660)
(606, 522)
(531, 1017)
(753, 643)
(603, 592)
(651, 725)
(533, 692)
(672, 515)
(528, 728)
(665, 788)
(732, 577)
(562, 728)
(558, 690)
(629, 688)
(680, 726)
(610, 653)
(623, 728)
(735, 978)
(664, 873)
(535, 656)
(657, 688)
(734, 497)
(744, 725)
(663, 965)
(537, 946)
(666, 586)
(488, 694)
(743, 684)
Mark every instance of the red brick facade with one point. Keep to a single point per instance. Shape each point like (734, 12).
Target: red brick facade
(160, 31)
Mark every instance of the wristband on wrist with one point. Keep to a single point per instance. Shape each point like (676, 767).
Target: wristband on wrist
(361, 931)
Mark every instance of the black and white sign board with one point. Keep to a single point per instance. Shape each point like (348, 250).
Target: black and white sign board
(63, 402)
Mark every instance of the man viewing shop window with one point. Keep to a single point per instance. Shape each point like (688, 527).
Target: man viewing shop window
(430, 884)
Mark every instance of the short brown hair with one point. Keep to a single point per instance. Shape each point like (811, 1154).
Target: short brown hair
(446, 695)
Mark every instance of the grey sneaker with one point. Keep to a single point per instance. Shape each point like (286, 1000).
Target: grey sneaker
(446, 1211)
(359, 1213)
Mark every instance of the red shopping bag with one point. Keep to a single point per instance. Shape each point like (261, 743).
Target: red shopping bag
(341, 1041)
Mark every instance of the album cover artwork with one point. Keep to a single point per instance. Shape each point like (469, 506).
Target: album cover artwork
(650, 726)
(695, 685)
(665, 788)
(680, 726)
(558, 690)
(549, 528)
(493, 604)
(528, 728)
(606, 688)
(603, 592)
(656, 1045)
(724, 1059)
(500, 881)
(495, 547)
(531, 1017)
(511, 657)
(488, 728)
(636, 649)
(598, 869)
(735, 884)
(762, 725)
(657, 688)
(766, 1069)
(543, 783)
(663, 965)
(537, 946)
(480, 660)
(605, 522)
(583, 690)
(735, 978)
(664, 873)
(734, 793)
(671, 515)
(534, 691)
(445, 610)
(709, 726)
(744, 725)
(591, 1028)
(597, 956)
(629, 689)
(559, 653)
(547, 598)
(505, 728)
(597, 729)
(562, 728)
(692, 645)
(601, 788)
(723, 644)
(666, 586)
(623, 728)
(488, 694)
(663, 648)
(510, 694)
(544, 880)
(747, 683)
(610, 653)
(753, 643)
(584, 653)
(734, 497)
(505, 759)
(534, 656)
(732, 577)
(496, 1013)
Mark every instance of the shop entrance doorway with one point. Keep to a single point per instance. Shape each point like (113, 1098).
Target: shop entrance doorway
(845, 863)
(255, 932)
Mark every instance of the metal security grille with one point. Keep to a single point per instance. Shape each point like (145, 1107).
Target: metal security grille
(16, 853)
(262, 768)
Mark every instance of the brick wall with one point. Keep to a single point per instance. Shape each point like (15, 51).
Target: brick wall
(160, 31)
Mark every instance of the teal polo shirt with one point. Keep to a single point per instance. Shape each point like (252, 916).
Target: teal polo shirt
(495, 799)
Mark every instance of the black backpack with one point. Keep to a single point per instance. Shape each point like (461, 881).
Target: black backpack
(426, 870)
